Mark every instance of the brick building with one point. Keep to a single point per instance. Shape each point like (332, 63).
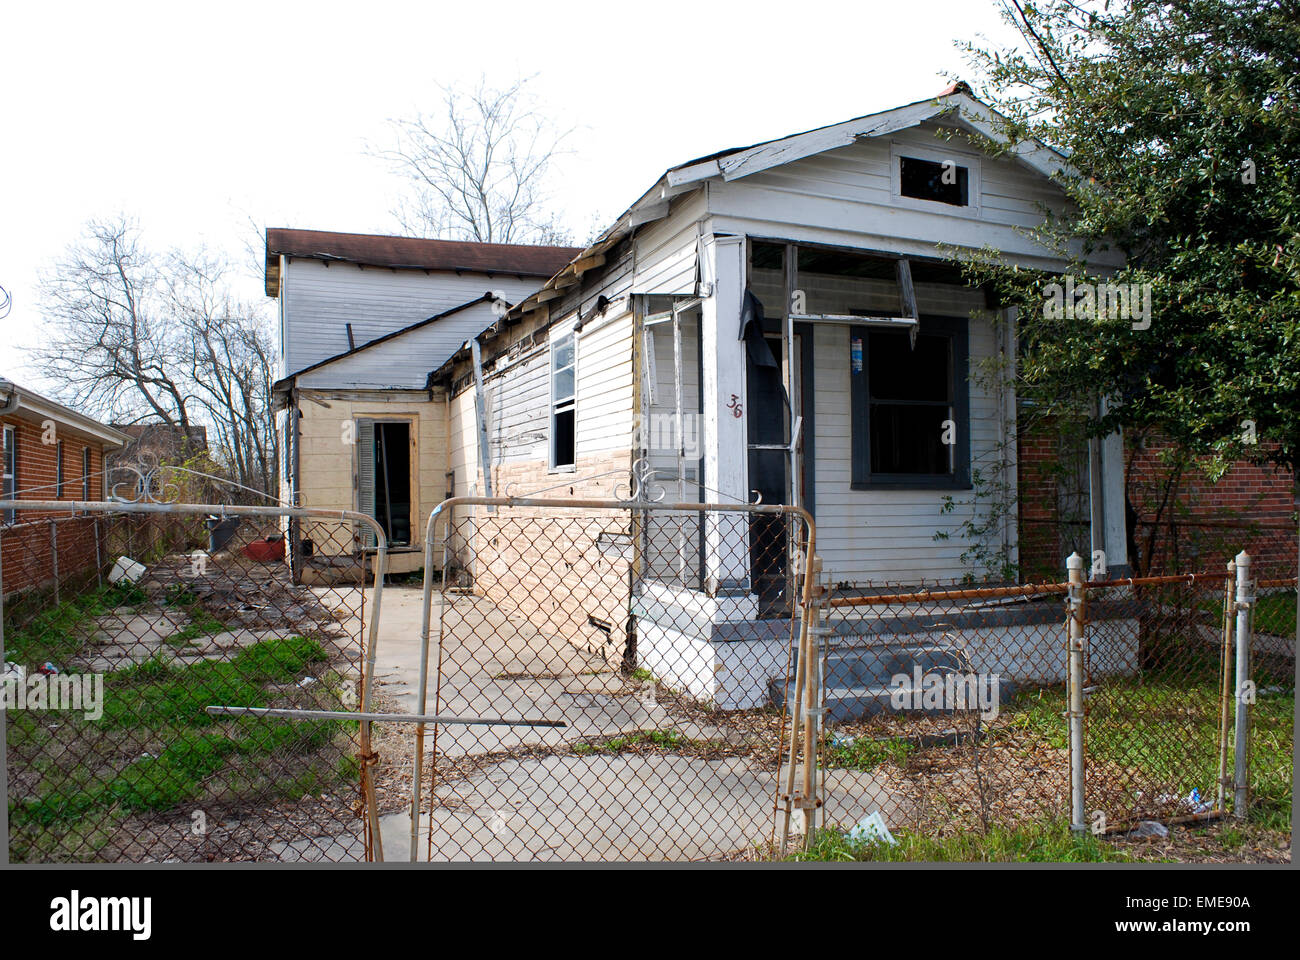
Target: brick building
(50, 452)
(1174, 524)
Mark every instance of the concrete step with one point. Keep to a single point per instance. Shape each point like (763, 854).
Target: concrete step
(860, 680)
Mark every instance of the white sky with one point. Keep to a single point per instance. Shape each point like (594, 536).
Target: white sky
(195, 119)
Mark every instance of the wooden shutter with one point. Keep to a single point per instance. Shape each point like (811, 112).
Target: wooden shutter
(365, 476)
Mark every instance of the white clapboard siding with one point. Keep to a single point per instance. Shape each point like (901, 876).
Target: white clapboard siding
(318, 301)
(404, 360)
(604, 386)
(845, 196)
(666, 257)
(519, 410)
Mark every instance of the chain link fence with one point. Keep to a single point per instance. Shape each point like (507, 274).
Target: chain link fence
(122, 626)
(948, 707)
(655, 642)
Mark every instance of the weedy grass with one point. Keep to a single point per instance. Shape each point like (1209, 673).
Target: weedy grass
(1048, 842)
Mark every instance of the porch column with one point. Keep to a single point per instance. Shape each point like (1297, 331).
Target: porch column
(1106, 491)
(723, 405)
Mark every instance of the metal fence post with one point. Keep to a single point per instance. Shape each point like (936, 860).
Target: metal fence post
(1074, 671)
(1225, 692)
(1245, 609)
(54, 558)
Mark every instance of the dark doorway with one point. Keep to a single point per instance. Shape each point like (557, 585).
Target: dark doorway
(392, 478)
(768, 432)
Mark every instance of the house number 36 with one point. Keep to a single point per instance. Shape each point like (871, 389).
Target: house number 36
(737, 410)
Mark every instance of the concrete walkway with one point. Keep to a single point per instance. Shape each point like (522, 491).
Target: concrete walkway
(628, 806)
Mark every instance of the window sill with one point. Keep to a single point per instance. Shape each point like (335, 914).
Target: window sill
(571, 468)
(912, 484)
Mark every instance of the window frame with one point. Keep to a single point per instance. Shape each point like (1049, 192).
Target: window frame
(861, 476)
(974, 179)
(59, 479)
(8, 470)
(553, 406)
(85, 474)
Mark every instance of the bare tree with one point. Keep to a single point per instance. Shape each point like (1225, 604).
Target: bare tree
(227, 353)
(137, 336)
(479, 167)
(107, 343)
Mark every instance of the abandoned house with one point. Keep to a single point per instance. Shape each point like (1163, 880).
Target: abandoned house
(363, 321)
(790, 309)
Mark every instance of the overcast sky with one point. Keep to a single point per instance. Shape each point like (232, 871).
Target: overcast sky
(202, 121)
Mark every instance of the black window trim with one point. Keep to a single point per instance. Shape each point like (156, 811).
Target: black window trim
(958, 330)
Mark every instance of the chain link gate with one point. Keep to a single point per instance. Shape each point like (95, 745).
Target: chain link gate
(631, 663)
(179, 689)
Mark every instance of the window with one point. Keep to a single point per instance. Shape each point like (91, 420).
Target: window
(910, 406)
(941, 181)
(9, 470)
(563, 354)
(85, 473)
(58, 470)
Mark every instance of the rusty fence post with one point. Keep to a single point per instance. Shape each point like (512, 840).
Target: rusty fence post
(1074, 676)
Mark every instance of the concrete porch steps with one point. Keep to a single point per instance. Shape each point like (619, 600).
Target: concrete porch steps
(860, 680)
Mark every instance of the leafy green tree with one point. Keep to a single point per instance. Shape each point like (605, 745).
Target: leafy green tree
(1180, 120)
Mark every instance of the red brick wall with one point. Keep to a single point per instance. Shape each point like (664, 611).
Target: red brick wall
(26, 546)
(1252, 507)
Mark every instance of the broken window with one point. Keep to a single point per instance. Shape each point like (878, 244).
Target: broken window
(943, 182)
(909, 406)
(8, 470)
(563, 435)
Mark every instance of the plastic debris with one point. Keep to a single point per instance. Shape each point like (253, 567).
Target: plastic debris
(1196, 803)
(15, 672)
(126, 569)
(49, 669)
(872, 829)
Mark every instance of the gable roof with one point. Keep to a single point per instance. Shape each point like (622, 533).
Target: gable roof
(954, 104)
(487, 297)
(25, 403)
(410, 253)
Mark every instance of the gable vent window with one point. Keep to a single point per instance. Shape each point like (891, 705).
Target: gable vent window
(563, 435)
(945, 182)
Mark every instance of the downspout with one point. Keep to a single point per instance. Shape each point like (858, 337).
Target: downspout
(13, 402)
(293, 436)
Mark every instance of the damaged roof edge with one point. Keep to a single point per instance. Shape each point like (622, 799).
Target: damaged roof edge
(957, 96)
